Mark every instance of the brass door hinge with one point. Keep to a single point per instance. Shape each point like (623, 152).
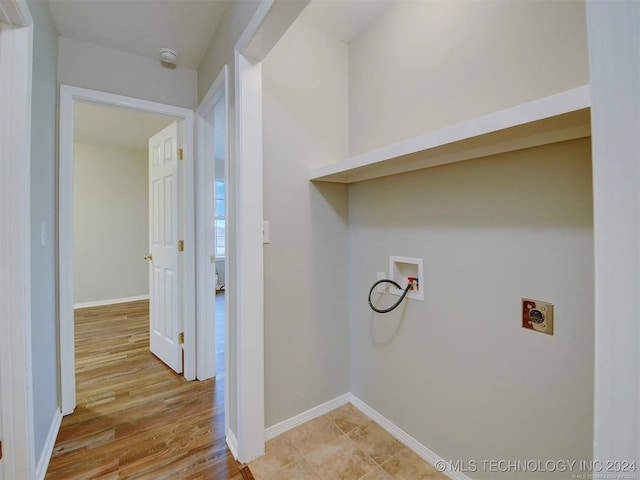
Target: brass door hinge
(181, 338)
(179, 154)
(181, 245)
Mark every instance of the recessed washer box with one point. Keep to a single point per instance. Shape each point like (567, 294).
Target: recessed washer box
(400, 269)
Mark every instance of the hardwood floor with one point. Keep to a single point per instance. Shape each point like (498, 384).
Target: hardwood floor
(137, 419)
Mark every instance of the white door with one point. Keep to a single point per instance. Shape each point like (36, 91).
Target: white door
(165, 259)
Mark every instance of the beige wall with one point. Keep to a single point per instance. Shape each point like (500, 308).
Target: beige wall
(465, 380)
(426, 65)
(111, 223)
(305, 275)
(457, 371)
(87, 65)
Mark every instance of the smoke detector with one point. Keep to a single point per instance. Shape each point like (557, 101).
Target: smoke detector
(168, 56)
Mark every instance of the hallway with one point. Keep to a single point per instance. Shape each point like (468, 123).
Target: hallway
(137, 419)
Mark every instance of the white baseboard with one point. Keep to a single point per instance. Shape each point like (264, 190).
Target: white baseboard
(303, 417)
(45, 456)
(111, 301)
(406, 439)
(232, 443)
(402, 436)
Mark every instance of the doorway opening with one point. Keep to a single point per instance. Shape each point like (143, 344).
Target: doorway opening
(113, 218)
(70, 98)
(111, 227)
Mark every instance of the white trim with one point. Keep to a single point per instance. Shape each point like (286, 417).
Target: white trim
(315, 412)
(205, 271)
(613, 30)
(404, 438)
(43, 463)
(232, 443)
(111, 301)
(189, 234)
(249, 258)
(16, 55)
(68, 95)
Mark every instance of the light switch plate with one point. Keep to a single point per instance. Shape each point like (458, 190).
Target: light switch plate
(537, 316)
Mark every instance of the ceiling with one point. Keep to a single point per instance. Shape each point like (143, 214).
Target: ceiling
(143, 27)
(96, 124)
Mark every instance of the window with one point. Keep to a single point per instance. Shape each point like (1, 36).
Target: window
(219, 218)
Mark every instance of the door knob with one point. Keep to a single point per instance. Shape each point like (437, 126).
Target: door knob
(148, 256)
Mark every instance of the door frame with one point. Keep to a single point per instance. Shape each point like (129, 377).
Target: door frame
(68, 96)
(205, 270)
(16, 59)
(250, 263)
(205, 236)
(270, 21)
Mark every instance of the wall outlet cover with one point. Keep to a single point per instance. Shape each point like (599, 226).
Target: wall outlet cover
(537, 316)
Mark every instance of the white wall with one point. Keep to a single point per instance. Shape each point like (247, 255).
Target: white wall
(305, 125)
(43, 200)
(457, 371)
(87, 65)
(111, 223)
(425, 65)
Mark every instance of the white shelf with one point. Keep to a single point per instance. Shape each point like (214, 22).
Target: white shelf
(560, 117)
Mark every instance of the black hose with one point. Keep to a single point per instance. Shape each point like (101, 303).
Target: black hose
(387, 310)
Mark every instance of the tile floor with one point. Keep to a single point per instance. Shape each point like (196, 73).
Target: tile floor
(342, 445)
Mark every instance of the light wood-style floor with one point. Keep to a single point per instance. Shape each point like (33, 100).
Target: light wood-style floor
(137, 419)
